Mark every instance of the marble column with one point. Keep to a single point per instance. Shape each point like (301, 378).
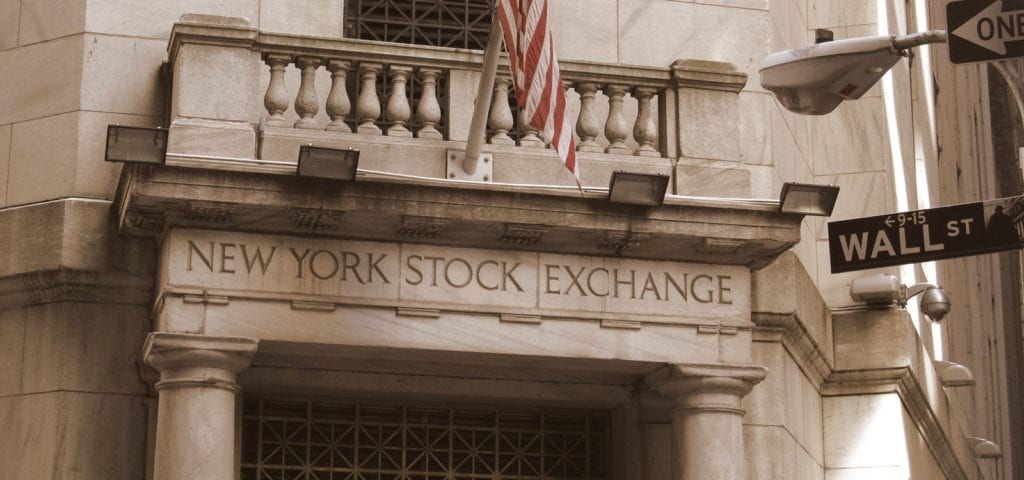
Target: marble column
(707, 417)
(195, 433)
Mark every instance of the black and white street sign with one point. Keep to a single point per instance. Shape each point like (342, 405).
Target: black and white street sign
(985, 30)
(925, 235)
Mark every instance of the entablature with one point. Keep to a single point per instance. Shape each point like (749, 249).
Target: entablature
(271, 199)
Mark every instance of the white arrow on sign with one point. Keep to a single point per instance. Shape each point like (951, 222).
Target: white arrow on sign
(991, 28)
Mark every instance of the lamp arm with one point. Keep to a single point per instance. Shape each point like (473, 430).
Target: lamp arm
(915, 289)
(903, 42)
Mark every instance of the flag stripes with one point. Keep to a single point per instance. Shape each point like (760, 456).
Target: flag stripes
(535, 74)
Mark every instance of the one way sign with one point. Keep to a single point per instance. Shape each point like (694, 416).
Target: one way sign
(986, 30)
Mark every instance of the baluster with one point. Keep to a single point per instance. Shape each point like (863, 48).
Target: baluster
(398, 111)
(616, 129)
(587, 125)
(428, 111)
(338, 105)
(529, 135)
(276, 98)
(645, 131)
(367, 103)
(500, 120)
(306, 102)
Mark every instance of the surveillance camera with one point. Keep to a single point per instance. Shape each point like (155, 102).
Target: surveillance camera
(935, 303)
(876, 289)
(814, 80)
(886, 290)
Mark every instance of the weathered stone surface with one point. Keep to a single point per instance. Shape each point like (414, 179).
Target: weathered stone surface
(155, 19)
(81, 347)
(192, 136)
(83, 435)
(585, 30)
(319, 18)
(741, 35)
(231, 75)
(852, 139)
(12, 334)
(714, 180)
(71, 234)
(29, 94)
(873, 339)
(10, 16)
(771, 452)
(43, 20)
(5, 162)
(41, 163)
(122, 75)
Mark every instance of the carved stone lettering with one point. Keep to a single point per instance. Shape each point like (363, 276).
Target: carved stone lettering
(425, 276)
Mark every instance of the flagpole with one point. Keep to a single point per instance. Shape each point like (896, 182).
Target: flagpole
(482, 104)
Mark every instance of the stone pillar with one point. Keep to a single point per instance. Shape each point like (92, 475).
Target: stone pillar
(216, 97)
(708, 133)
(707, 418)
(195, 433)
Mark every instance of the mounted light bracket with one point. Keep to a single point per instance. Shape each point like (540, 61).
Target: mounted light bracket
(136, 145)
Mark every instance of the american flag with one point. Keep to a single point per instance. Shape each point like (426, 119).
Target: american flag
(535, 74)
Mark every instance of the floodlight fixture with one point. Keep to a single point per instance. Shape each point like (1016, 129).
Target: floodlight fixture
(808, 199)
(642, 189)
(328, 163)
(136, 144)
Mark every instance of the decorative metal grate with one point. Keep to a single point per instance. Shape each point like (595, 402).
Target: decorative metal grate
(439, 23)
(328, 441)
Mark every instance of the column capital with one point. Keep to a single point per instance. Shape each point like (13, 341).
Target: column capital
(717, 387)
(185, 358)
(195, 432)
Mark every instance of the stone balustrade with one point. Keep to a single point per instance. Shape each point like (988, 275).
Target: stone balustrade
(407, 105)
(618, 109)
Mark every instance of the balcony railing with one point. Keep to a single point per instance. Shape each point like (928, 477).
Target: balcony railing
(227, 75)
(616, 107)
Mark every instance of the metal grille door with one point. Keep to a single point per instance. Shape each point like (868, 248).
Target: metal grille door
(322, 441)
(438, 23)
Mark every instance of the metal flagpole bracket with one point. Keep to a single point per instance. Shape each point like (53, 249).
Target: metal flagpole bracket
(456, 167)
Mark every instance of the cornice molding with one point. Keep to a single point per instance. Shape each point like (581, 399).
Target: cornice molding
(65, 285)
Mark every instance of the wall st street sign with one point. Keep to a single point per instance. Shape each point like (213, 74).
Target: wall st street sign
(985, 30)
(925, 235)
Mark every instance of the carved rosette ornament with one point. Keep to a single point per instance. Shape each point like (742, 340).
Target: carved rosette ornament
(209, 212)
(622, 240)
(315, 219)
(421, 227)
(524, 234)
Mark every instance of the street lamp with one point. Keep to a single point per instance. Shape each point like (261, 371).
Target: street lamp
(814, 80)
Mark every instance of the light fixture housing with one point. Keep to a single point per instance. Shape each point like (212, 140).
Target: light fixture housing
(327, 163)
(136, 144)
(815, 79)
(984, 448)
(808, 199)
(953, 374)
(643, 189)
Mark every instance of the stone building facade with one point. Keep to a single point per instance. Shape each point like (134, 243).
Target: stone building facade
(218, 316)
